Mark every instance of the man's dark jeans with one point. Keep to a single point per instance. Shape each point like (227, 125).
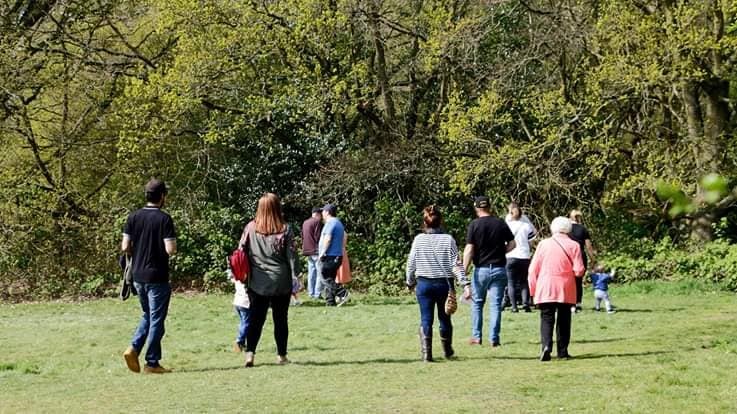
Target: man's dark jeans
(329, 270)
(154, 298)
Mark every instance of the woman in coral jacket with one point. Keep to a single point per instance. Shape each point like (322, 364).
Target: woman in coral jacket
(552, 278)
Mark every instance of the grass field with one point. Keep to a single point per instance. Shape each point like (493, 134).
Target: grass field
(669, 349)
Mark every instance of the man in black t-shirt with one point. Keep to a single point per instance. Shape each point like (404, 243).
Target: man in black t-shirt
(149, 238)
(580, 234)
(487, 242)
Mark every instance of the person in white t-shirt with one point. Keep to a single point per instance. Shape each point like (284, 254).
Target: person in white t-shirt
(518, 259)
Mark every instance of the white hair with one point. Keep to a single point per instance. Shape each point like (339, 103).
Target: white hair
(560, 225)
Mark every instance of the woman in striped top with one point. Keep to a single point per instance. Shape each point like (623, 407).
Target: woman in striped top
(433, 261)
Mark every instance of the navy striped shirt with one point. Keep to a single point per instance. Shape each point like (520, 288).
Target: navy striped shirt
(434, 256)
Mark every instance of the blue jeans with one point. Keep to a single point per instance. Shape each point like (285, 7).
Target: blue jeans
(314, 281)
(491, 280)
(154, 298)
(245, 316)
(431, 294)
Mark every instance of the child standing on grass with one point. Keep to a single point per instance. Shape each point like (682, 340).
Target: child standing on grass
(242, 307)
(600, 280)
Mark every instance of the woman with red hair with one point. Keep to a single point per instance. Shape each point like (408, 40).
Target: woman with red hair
(269, 244)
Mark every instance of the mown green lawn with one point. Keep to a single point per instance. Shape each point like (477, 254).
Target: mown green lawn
(669, 349)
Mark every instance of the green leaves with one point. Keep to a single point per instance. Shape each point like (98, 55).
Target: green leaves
(713, 188)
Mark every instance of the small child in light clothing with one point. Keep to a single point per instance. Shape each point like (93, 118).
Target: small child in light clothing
(600, 280)
(242, 306)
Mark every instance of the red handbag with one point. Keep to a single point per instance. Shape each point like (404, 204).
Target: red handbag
(239, 265)
(238, 260)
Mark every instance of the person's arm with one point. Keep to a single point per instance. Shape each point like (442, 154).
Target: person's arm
(508, 238)
(125, 245)
(171, 246)
(292, 257)
(510, 246)
(534, 270)
(170, 237)
(325, 244)
(590, 250)
(467, 260)
(468, 257)
(458, 270)
(411, 266)
(578, 267)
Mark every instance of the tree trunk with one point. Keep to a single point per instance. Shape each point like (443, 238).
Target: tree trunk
(381, 73)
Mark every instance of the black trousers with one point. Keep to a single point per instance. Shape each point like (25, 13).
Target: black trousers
(579, 290)
(517, 281)
(579, 282)
(328, 271)
(562, 327)
(279, 313)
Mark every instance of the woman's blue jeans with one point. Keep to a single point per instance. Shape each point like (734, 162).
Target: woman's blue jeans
(489, 280)
(431, 295)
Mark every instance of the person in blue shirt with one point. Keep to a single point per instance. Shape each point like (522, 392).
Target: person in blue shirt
(331, 256)
(600, 280)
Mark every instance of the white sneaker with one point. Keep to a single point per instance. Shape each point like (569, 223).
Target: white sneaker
(343, 299)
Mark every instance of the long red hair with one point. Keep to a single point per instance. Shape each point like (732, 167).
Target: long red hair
(269, 217)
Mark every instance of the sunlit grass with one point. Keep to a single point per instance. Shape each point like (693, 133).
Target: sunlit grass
(668, 349)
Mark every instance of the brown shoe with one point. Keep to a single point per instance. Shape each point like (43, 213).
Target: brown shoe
(155, 370)
(249, 359)
(131, 359)
(282, 360)
(238, 348)
(474, 341)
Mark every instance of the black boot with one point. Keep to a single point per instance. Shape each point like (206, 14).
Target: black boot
(426, 345)
(447, 346)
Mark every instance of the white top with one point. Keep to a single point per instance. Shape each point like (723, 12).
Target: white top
(523, 232)
(240, 298)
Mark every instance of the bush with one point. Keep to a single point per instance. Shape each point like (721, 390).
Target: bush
(380, 264)
(206, 234)
(714, 262)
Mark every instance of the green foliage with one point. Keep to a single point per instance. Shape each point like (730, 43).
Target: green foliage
(206, 235)
(711, 263)
(381, 263)
(619, 108)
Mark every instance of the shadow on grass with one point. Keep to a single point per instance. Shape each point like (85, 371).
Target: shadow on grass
(205, 369)
(622, 355)
(357, 362)
(596, 341)
(633, 310)
(586, 356)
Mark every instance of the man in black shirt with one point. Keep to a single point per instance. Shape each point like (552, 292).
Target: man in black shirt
(580, 234)
(487, 242)
(150, 238)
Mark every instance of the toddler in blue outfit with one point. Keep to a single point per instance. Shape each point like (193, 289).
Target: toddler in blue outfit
(600, 279)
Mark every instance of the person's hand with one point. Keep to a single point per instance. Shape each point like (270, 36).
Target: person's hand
(411, 288)
(467, 292)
